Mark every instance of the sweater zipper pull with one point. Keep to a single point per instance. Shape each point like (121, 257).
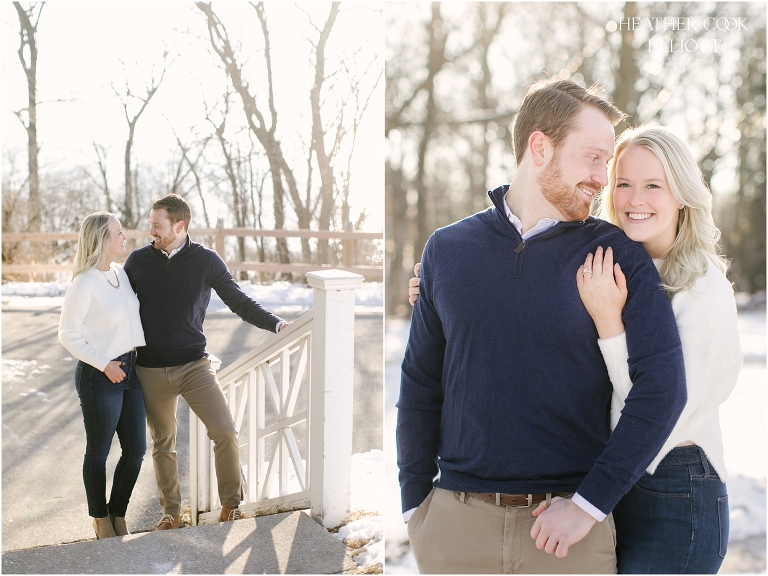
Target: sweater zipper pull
(520, 247)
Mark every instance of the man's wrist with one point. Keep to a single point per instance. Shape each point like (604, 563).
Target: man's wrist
(593, 511)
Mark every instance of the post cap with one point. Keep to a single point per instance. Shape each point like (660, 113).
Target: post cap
(334, 280)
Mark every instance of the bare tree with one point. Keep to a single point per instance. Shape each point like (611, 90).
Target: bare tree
(103, 181)
(455, 76)
(256, 189)
(330, 126)
(193, 165)
(129, 100)
(28, 57)
(14, 179)
(231, 168)
(265, 133)
(745, 238)
(396, 118)
(345, 176)
(323, 156)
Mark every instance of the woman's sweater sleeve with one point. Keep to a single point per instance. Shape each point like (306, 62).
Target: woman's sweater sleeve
(706, 320)
(77, 301)
(615, 354)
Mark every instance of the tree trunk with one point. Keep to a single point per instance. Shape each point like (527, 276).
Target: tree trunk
(128, 218)
(625, 95)
(324, 159)
(28, 33)
(436, 61)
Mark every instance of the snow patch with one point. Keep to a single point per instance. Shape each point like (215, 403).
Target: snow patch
(370, 529)
(17, 371)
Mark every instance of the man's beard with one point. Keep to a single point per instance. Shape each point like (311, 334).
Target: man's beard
(566, 199)
(164, 241)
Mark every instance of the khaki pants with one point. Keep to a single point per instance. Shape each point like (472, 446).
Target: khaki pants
(451, 537)
(197, 382)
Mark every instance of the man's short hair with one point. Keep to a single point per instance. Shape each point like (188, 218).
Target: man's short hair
(176, 207)
(551, 107)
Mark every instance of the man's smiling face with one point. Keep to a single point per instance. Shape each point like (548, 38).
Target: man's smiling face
(162, 230)
(578, 168)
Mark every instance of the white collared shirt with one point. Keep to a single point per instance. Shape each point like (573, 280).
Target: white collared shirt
(542, 226)
(173, 252)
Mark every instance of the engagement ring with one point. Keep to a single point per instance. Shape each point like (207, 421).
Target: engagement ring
(586, 271)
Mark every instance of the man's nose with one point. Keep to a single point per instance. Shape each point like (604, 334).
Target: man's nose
(601, 176)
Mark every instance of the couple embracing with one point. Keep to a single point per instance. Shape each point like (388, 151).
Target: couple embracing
(137, 332)
(559, 398)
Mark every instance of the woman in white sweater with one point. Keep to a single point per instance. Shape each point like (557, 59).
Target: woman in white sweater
(675, 518)
(100, 326)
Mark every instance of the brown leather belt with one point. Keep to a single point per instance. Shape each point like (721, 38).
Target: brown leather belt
(514, 499)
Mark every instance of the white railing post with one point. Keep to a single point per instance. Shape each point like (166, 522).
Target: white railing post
(194, 499)
(330, 419)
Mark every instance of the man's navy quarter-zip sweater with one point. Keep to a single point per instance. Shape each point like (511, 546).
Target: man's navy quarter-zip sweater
(173, 296)
(503, 386)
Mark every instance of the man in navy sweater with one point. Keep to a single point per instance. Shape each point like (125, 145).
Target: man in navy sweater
(173, 278)
(507, 462)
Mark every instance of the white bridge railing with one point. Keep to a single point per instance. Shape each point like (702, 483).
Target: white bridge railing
(291, 400)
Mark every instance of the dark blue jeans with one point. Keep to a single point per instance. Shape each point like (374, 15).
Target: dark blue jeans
(674, 521)
(109, 408)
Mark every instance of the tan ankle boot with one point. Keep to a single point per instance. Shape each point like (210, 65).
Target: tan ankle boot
(230, 514)
(169, 522)
(103, 528)
(118, 523)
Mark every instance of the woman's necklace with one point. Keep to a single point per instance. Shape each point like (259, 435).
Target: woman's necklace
(116, 278)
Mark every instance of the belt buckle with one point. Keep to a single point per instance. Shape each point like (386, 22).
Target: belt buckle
(529, 500)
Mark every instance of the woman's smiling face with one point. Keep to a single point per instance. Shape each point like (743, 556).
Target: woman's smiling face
(645, 207)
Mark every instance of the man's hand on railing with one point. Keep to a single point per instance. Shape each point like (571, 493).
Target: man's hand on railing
(283, 325)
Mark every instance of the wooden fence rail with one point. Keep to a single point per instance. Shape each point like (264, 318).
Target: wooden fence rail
(219, 234)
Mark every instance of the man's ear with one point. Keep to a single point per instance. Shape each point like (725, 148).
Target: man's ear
(178, 228)
(540, 147)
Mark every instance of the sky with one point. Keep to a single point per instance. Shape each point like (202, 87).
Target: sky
(82, 45)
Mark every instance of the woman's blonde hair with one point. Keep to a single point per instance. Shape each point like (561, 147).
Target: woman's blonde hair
(94, 234)
(696, 241)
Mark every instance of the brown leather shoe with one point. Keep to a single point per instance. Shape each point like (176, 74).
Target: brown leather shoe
(118, 523)
(230, 514)
(169, 522)
(103, 528)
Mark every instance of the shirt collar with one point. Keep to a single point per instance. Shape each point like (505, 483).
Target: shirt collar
(176, 250)
(542, 226)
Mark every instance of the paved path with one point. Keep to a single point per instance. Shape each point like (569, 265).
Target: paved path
(290, 543)
(43, 500)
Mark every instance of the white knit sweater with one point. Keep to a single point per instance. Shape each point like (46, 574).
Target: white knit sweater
(706, 319)
(98, 322)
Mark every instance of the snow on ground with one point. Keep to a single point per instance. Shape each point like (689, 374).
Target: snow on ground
(367, 488)
(367, 529)
(278, 297)
(368, 496)
(743, 420)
